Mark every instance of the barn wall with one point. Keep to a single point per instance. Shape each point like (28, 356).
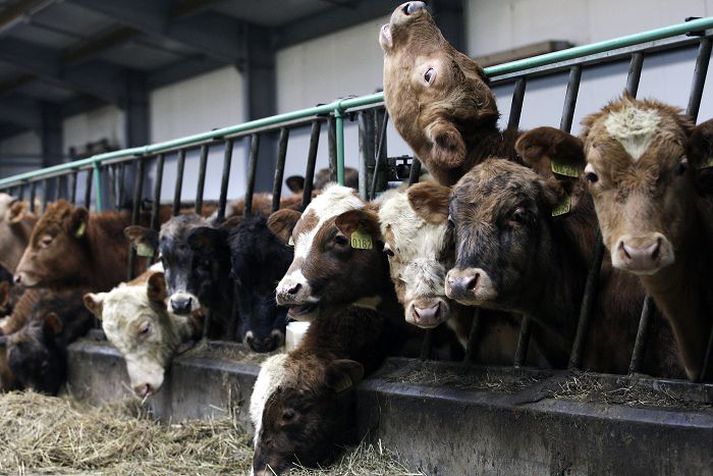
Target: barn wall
(25, 146)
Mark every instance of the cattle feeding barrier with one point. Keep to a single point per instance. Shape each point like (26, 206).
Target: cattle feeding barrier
(107, 173)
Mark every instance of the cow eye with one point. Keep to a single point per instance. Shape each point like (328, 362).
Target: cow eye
(145, 329)
(519, 215)
(46, 241)
(341, 239)
(429, 76)
(681, 166)
(590, 175)
(288, 415)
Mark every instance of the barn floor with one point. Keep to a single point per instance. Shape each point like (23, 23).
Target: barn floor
(50, 435)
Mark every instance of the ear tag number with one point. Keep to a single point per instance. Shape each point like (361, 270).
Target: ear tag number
(563, 207)
(361, 240)
(564, 169)
(142, 249)
(80, 231)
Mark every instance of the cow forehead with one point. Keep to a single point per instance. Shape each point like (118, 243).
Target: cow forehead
(411, 235)
(634, 128)
(333, 201)
(179, 226)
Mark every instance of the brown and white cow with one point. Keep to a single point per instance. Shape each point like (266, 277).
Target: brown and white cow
(524, 243)
(439, 98)
(71, 247)
(644, 160)
(136, 321)
(16, 224)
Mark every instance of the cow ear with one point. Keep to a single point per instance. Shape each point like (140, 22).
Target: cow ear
(448, 147)
(430, 201)
(144, 240)
(156, 288)
(296, 183)
(94, 302)
(16, 212)
(78, 222)
(699, 151)
(206, 238)
(552, 153)
(53, 322)
(361, 220)
(343, 374)
(282, 222)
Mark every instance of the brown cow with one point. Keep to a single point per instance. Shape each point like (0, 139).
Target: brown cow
(71, 247)
(16, 224)
(439, 98)
(643, 164)
(524, 244)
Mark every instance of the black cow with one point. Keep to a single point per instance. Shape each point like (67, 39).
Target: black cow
(259, 260)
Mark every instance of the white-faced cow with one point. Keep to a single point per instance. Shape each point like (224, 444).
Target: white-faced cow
(438, 97)
(16, 224)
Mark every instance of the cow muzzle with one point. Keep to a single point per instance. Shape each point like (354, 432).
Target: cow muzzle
(427, 314)
(266, 344)
(183, 303)
(470, 286)
(26, 279)
(643, 254)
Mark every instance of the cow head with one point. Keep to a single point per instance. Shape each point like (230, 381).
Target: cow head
(504, 216)
(58, 249)
(259, 260)
(419, 244)
(302, 409)
(33, 355)
(435, 95)
(337, 253)
(136, 321)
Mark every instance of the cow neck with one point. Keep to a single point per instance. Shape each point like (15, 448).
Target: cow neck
(108, 250)
(682, 290)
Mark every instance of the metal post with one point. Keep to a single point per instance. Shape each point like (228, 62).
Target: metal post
(365, 124)
(311, 163)
(570, 98)
(97, 172)
(523, 341)
(227, 160)
(121, 193)
(201, 178)
(332, 146)
(156, 205)
(518, 97)
(33, 195)
(339, 125)
(634, 75)
(21, 193)
(252, 170)
(426, 344)
(637, 354)
(380, 155)
(88, 190)
(45, 197)
(472, 336)
(136, 210)
(180, 166)
(73, 187)
(280, 168)
(699, 78)
(415, 172)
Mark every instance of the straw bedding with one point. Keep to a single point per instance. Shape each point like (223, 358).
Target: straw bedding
(49, 435)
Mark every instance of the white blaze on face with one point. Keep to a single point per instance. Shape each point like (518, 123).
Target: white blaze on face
(633, 128)
(272, 374)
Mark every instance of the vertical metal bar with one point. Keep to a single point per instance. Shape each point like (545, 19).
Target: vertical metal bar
(415, 172)
(61, 182)
(332, 145)
(223, 199)
(634, 75)
(121, 193)
(426, 344)
(45, 197)
(588, 299)
(518, 96)
(703, 376)
(33, 195)
(637, 354)
(112, 171)
(99, 195)
(21, 193)
(73, 187)
(523, 341)
(180, 167)
(311, 162)
(339, 143)
(201, 178)
(280, 168)
(365, 125)
(252, 170)
(472, 336)
(699, 78)
(155, 206)
(88, 190)
(380, 155)
(136, 210)
(570, 98)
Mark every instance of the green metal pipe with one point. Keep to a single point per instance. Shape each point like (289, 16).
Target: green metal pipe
(372, 99)
(97, 186)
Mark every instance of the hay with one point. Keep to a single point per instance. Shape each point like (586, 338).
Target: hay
(50, 435)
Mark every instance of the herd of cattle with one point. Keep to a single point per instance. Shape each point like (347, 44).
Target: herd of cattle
(507, 223)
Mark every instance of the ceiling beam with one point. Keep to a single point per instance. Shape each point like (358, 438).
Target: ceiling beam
(20, 12)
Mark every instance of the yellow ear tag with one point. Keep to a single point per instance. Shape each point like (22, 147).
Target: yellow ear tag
(361, 240)
(145, 250)
(563, 207)
(80, 231)
(564, 169)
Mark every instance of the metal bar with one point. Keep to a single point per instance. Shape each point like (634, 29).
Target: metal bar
(699, 78)
(634, 75)
(121, 195)
(57, 184)
(45, 198)
(523, 342)
(227, 160)
(73, 187)
(252, 170)
(415, 172)
(518, 97)
(156, 205)
(637, 354)
(33, 195)
(703, 376)
(570, 98)
(180, 167)
(311, 163)
(136, 210)
(472, 336)
(339, 130)
(426, 344)
(88, 190)
(280, 168)
(201, 178)
(379, 152)
(365, 125)
(332, 146)
(97, 174)
(21, 193)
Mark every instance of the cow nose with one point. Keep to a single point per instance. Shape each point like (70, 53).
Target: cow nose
(427, 316)
(463, 284)
(294, 289)
(181, 305)
(18, 279)
(411, 7)
(646, 257)
(144, 390)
